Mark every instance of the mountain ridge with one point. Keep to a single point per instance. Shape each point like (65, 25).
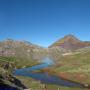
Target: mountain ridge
(28, 50)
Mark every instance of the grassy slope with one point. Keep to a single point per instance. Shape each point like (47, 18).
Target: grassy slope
(75, 67)
(18, 62)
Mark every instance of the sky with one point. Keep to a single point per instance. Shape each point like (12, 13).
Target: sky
(44, 21)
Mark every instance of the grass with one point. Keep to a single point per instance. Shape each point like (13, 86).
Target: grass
(18, 62)
(75, 67)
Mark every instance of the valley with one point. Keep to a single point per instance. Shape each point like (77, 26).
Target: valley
(70, 55)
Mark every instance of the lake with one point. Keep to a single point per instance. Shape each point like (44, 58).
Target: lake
(44, 77)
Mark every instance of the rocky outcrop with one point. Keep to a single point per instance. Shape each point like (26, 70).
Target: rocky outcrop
(9, 82)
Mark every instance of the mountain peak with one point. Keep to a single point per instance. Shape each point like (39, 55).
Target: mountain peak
(70, 36)
(70, 42)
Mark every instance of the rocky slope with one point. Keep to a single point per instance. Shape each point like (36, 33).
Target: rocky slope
(9, 82)
(21, 49)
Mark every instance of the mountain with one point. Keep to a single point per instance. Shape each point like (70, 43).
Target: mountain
(70, 42)
(21, 49)
(29, 51)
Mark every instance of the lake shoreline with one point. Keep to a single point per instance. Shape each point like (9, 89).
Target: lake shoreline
(21, 72)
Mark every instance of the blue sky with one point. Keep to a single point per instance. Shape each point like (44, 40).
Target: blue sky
(44, 21)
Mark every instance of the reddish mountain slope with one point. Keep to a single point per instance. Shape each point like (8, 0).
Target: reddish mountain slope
(70, 42)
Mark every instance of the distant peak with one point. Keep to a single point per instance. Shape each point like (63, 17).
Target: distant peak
(70, 35)
(67, 41)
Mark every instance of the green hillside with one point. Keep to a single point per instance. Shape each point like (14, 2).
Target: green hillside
(74, 67)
